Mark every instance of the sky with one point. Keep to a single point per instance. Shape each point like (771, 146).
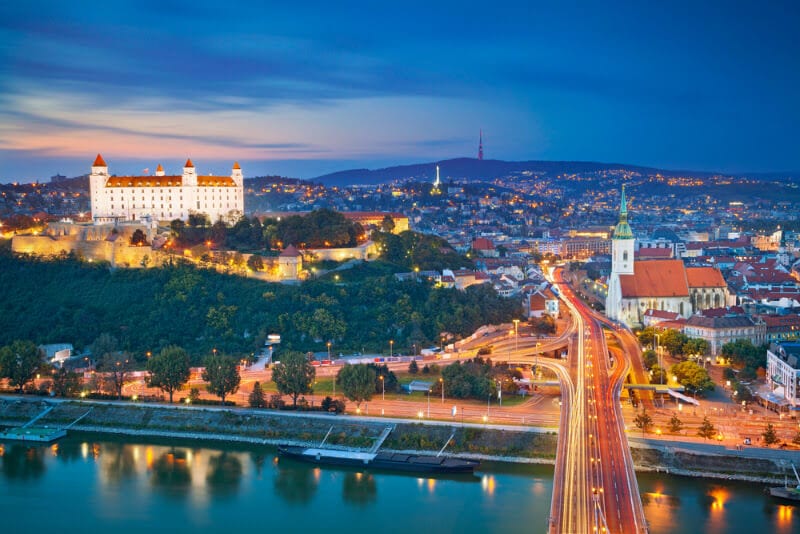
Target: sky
(315, 87)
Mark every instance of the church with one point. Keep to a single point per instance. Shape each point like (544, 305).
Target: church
(164, 198)
(667, 285)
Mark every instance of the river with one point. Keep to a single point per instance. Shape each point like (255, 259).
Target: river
(92, 483)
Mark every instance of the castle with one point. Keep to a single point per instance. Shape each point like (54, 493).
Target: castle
(164, 198)
(667, 285)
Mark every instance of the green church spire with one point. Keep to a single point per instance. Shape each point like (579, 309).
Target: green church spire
(623, 230)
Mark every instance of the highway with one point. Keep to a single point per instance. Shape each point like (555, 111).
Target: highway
(595, 485)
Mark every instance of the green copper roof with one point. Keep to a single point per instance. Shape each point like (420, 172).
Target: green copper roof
(623, 230)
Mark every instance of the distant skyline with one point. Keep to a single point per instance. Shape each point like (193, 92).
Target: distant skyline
(318, 87)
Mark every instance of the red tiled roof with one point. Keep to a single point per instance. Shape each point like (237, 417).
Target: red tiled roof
(662, 314)
(99, 162)
(236, 166)
(215, 181)
(655, 278)
(481, 243)
(704, 277)
(144, 181)
(290, 252)
(189, 163)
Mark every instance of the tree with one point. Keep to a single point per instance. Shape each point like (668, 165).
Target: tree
(169, 370)
(387, 224)
(643, 421)
(357, 382)
(294, 375)
(19, 362)
(675, 425)
(707, 429)
(413, 368)
(769, 435)
(389, 381)
(650, 358)
(256, 398)
(673, 341)
(693, 377)
(696, 346)
(222, 374)
(66, 383)
(138, 239)
(114, 363)
(744, 355)
(255, 262)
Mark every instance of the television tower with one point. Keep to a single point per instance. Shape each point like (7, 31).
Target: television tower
(480, 146)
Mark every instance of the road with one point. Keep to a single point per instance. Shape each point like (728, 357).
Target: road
(595, 484)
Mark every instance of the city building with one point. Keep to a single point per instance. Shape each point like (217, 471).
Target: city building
(666, 285)
(783, 374)
(160, 197)
(718, 331)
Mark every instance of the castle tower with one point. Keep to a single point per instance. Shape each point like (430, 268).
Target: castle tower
(236, 174)
(480, 146)
(159, 170)
(97, 181)
(189, 174)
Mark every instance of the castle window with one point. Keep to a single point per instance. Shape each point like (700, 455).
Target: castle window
(625, 256)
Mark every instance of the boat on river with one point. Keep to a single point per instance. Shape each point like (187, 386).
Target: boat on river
(415, 463)
(786, 492)
(391, 461)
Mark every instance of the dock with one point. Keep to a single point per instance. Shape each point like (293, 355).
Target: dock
(41, 434)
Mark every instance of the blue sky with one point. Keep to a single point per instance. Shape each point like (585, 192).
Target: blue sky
(322, 86)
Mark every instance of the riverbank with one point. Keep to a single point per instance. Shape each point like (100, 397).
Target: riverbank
(489, 443)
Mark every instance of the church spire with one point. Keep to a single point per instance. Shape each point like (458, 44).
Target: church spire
(623, 230)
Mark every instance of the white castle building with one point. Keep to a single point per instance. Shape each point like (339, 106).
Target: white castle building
(164, 198)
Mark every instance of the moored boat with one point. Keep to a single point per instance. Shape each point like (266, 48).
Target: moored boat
(414, 463)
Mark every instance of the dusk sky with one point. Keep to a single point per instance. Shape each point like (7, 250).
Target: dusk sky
(311, 88)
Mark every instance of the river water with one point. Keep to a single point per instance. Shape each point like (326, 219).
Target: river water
(90, 483)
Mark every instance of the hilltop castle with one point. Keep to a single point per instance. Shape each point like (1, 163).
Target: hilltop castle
(163, 198)
(667, 285)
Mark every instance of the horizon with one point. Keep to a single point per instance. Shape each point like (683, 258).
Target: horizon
(706, 88)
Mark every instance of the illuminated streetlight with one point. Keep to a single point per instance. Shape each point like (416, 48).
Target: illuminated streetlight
(383, 387)
(441, 382)
(329, 350)
(391, 347)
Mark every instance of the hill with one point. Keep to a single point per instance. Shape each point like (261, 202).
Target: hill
(474, 169)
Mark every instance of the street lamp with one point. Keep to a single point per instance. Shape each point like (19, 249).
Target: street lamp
(441, 382)
(383, 386)
(516, 335)
(658, 352)
(391, 347)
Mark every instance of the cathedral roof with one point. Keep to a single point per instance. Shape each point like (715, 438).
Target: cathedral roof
(99, 162)
(655, 278)
(704, 277)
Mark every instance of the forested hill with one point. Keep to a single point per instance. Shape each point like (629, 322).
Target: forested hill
(68, 301)
(474, 169)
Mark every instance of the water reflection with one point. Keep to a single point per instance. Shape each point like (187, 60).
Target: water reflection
(171, 471)
(224, 474)
(118, 462)
(20, 461)
(295, 483)
(359, 489)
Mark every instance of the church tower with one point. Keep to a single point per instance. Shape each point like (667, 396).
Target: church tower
(621, 262)
(622, 242)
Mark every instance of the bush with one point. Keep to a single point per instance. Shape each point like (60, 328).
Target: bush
(333, 405)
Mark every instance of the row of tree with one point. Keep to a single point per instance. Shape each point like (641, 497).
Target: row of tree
(322, 228)
(142, 308)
